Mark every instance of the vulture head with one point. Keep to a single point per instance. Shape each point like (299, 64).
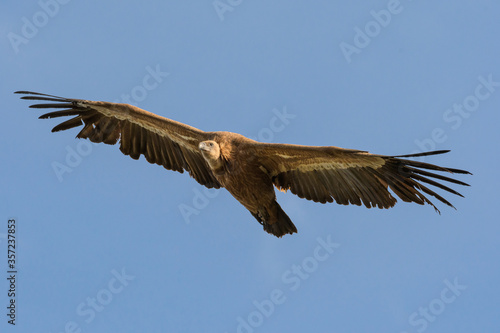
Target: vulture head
(211, 152)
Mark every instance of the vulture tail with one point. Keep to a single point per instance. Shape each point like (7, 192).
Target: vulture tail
(282, 226)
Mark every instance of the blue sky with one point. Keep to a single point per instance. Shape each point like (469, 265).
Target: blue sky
(104, 247)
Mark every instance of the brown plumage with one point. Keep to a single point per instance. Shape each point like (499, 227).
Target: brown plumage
(249, 169)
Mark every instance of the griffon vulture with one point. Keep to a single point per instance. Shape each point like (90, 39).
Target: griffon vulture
(249, 169)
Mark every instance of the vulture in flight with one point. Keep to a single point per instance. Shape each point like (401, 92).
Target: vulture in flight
(248, 169)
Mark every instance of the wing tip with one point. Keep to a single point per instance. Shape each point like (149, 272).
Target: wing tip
(426, 153)
(27, 92)
(37, 96)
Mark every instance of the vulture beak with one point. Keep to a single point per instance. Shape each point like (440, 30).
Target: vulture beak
(203, 146)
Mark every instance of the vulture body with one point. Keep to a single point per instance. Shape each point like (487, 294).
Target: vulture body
(250, 170)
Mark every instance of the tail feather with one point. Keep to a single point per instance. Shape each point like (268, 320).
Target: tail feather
(279, 228)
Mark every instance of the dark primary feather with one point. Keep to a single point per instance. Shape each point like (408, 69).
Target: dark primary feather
(425, 153)
(62, 113)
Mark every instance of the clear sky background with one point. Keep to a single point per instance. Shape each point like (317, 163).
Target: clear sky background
(104, 247)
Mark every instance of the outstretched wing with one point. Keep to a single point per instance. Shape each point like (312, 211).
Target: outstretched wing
(162, 141)
(327, 174)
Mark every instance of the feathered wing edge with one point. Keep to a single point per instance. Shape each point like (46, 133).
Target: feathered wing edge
(406, 178)
(328, 174)
(137, 131)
